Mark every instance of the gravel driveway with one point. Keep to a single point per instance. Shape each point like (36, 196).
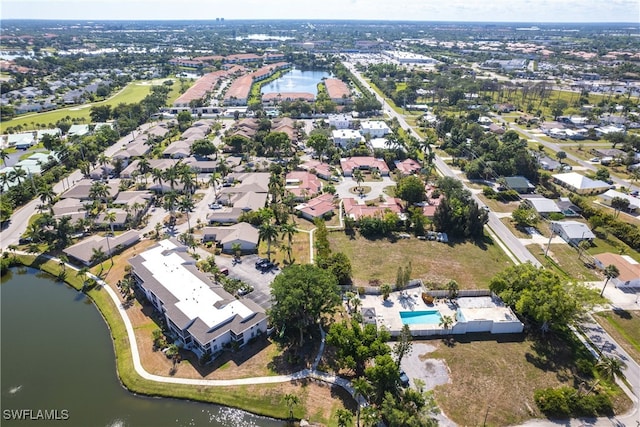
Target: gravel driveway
(432, 371)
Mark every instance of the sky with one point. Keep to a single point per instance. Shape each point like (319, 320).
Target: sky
(535, 11)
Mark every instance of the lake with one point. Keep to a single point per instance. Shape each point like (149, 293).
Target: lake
(296, 81)
(57, 354)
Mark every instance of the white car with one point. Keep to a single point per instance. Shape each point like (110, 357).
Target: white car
(595, 160)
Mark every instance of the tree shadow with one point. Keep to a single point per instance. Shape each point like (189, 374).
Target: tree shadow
(622, 313)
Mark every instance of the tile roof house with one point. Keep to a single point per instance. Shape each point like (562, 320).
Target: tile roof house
(321, 169)
(302, 185)
(357, 211)
(201, 315)
(348, 165)
(628, 267)
(408, 166)
(317, 207)
(338, 91)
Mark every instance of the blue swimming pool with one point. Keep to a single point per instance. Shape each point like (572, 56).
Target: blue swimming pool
(428, 317)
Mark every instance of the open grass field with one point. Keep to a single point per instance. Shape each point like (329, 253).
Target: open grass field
(299, 249)
(624, 327)
(472, 266)
(495, 377)
(133, 92)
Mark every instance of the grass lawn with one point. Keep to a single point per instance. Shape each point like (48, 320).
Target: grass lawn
(612, 244)
(624, 327)
(497, 376)
(563, 259)
(515, 230)
(470, 265)
(299, 249)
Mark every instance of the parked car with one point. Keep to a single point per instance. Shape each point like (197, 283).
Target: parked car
(422, 237)
(215, 206)
(261, 261)
(224, 271)
(595, 160)
(404, 379)
(245, 289)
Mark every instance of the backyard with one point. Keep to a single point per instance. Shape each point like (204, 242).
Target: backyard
(471, 265)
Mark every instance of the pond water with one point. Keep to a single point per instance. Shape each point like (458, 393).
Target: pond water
(296, 81)
(57, 355)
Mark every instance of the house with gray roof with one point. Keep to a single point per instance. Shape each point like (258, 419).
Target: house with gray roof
(243, 234)
(84, 250)
(572, 232)
(199, 313)
(542, 205)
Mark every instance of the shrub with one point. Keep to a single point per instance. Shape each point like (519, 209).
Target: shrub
(568, 402)
(489, 192)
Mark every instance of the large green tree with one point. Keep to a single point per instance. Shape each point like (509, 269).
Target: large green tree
(541, 296)
(356, 346)
(301, 295)
(410, 189)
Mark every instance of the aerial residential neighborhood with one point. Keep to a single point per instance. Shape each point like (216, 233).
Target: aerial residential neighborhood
(415, 224)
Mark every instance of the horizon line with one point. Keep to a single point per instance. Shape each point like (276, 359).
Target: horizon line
(223, 19)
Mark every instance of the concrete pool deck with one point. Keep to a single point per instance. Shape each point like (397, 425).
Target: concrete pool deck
(469, 313)
(388, 312)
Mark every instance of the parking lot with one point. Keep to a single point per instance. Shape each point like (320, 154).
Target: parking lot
(249, 274)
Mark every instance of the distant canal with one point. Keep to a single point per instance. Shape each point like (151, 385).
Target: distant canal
(296, 81)
(57, 355)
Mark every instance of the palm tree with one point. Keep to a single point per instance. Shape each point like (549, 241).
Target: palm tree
(185, 205)
(583, 246)
(361, 388)
(158, 176)
(99, 191)
(98, 255)
(187, 179)
(446, 322)
(62, 261)
(610, 366)
(111, 218)
(4, 156)
(144, 167)
(236, 249)
(370, 416)
(291, 400)
(47, 195)
(268, 232)
(171, 176)
(169, 203)
(385, 290)
(289, 230)
(17, 175)
(610, 272)
(358, 177)
(345, 418)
